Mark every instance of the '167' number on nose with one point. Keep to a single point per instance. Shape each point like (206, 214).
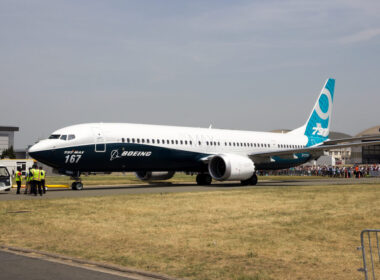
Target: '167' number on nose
(72, 158)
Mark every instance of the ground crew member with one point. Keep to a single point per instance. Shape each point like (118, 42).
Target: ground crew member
(38, 186)
(43, 173)
(36, 177)
(18, 179)
(32, 184)
(28, 177)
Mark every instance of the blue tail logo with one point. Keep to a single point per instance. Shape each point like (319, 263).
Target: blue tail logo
(318, 125)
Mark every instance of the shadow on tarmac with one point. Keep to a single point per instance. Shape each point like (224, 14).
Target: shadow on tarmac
(96, 188)
(171, 185)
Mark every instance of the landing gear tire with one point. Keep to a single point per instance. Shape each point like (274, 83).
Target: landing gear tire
(251, 181)
(254, 180)
(77, 186)
(204, 179)
(244, 182)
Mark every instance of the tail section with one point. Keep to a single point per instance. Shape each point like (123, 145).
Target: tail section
(317, 127)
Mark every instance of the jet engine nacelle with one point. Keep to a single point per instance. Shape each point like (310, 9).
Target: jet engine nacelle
(228, 167)
(155, 175)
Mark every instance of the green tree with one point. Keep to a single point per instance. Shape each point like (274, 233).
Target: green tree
(8, 153)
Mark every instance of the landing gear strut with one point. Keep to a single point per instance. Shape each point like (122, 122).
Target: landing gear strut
(250, 181)
(204, 179)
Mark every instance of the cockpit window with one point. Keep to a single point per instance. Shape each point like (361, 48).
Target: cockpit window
(71, 137)
(54, 136)
(63, 137)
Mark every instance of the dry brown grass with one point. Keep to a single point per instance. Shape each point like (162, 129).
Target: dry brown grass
(253, 233)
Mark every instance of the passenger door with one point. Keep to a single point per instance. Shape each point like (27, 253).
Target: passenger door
(100, 143)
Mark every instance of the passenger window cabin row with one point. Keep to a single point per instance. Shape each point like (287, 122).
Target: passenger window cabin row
(288, 146)
(208, 143)
(158, 141)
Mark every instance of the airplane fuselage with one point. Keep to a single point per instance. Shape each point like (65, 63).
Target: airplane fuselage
(112, 147)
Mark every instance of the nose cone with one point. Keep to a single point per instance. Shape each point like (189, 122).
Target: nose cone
(34, 148)
(41, 151)
(36, 151)
(39, 147)
(45, 152)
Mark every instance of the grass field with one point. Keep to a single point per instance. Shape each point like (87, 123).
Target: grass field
(308, 232)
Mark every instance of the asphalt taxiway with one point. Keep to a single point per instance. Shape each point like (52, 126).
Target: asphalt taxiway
(177, 188)
(20, 267)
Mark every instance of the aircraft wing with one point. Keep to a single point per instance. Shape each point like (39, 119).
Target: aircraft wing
(313, 149)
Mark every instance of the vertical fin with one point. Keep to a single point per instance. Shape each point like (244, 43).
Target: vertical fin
(317, 127)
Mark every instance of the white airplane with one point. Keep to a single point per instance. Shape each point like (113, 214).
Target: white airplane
(156, 152)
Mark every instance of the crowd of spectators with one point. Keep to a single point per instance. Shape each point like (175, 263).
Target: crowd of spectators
(357, 171)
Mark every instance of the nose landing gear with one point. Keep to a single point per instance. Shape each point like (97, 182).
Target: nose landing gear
(77, 185)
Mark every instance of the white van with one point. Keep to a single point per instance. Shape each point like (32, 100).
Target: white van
(5, 179)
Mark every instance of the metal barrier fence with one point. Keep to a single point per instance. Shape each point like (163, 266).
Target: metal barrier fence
(328, 172)
(373, 173)
(370, 244)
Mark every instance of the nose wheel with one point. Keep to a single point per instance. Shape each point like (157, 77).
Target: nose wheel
(77, 186)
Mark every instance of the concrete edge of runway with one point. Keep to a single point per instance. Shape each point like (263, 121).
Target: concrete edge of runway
(86, 264)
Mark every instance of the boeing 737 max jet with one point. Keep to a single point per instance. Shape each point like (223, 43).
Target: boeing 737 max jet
(156, 152)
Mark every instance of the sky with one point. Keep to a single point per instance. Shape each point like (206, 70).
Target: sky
(251, 65)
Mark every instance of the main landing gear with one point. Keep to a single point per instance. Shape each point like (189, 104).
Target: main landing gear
(250, 181)
(204, 179)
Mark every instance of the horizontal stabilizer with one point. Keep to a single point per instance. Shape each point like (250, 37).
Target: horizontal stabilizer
(351, 139)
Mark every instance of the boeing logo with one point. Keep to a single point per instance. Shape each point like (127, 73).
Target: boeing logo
(115, 154)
